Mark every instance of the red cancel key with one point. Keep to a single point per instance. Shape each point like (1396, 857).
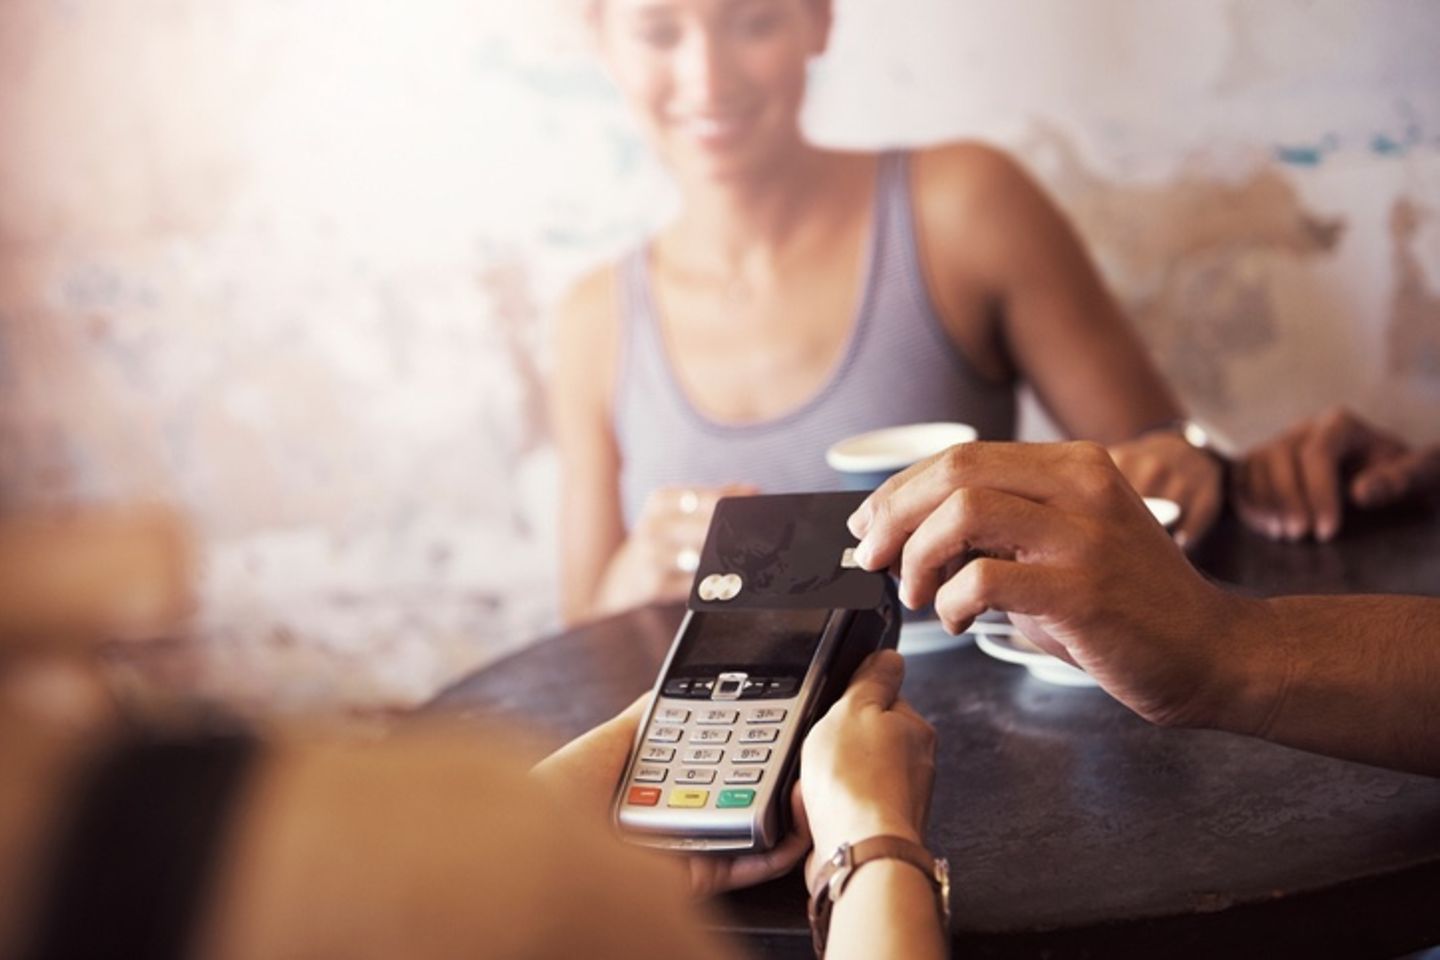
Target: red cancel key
(643, 796)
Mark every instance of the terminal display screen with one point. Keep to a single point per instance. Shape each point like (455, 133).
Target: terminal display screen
(750, 641)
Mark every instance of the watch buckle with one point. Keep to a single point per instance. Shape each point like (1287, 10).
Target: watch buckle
(844, 860)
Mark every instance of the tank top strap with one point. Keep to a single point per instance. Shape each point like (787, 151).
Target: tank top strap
(892, 191)
(895, 241)
(901, 366)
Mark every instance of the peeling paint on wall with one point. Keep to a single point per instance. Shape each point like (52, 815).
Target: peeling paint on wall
(1192, 257)
(1414, 334)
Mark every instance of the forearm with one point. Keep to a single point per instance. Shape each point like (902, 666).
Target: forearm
(1356, 677)
(590, 537)
(887, 910)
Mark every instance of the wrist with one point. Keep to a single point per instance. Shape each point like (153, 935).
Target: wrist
(1188, 431)
(1251, 667)
(862, 826)
(1191, 434)
(898, 874)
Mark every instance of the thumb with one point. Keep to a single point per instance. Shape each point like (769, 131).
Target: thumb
(877, 682)
(800, 815)
(1395, 479)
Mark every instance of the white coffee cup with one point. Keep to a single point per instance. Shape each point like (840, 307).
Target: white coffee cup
(867, 460)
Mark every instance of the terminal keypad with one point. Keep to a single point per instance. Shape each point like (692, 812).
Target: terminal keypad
(721, 744)
(711, 735)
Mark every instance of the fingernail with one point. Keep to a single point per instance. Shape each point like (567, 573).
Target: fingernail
(1325, 531)
(1182, 539)
(859, 522)
(864, 554)
(912, 600)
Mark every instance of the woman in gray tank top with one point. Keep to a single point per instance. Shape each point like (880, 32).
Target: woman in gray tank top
(804, 294)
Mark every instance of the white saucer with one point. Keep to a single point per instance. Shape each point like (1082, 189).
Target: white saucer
(1041, 665)
(927, 636)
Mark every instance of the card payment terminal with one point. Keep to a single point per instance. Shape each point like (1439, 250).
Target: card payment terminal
(779, 618)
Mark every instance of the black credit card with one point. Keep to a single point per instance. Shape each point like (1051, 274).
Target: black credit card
(787, 550)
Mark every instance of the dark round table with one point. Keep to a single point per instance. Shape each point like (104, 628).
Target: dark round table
(1076, 829)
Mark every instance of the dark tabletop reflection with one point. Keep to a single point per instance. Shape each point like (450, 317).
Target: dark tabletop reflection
(1078, 829)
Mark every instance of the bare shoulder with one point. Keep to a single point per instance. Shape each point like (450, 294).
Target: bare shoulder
(976, 179)
(981, 213)
(588, 313)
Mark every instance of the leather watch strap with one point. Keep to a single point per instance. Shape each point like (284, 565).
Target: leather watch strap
(837, 870)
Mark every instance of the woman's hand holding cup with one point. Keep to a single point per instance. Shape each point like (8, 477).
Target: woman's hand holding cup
(657, 562)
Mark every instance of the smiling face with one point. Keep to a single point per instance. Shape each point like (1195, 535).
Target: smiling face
(717, 83)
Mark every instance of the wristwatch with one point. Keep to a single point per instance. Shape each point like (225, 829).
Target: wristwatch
(1189, 431)
(1197, 436)
(1194, 435)
(840, 866)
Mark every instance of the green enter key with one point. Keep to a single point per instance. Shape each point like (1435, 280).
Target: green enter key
(735, 798)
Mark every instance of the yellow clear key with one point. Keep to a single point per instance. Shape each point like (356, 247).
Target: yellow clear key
(688, 798)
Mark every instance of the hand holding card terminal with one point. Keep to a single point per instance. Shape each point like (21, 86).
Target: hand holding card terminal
(778, 621)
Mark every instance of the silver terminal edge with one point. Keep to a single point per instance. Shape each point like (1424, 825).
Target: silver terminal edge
(713, 829)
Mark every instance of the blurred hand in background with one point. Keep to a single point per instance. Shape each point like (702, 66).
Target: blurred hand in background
(1299, 483)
